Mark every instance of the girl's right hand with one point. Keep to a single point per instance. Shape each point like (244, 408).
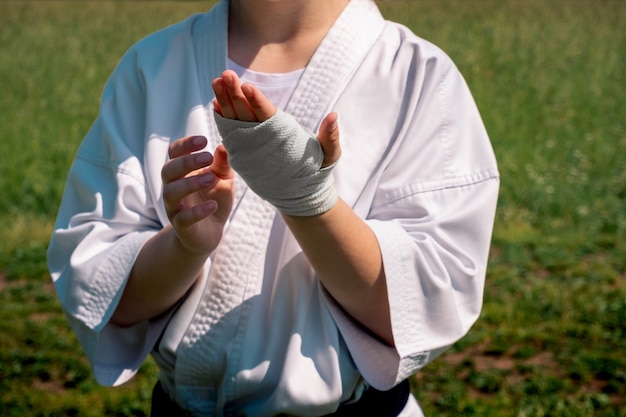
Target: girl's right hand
(198, 193)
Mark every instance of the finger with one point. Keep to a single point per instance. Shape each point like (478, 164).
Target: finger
(262, 107)
(186, 145)
(225, 106)
(184, 165)
(220, 166)
(239, 101)
(174, 192)
(188, 217)
(329, 139)
(217, 108)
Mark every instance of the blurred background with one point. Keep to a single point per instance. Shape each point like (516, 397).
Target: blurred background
(549, 79)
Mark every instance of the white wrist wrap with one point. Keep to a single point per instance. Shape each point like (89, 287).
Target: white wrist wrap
(280, 161)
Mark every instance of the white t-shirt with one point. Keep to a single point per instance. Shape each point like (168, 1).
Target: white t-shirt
(276, 87)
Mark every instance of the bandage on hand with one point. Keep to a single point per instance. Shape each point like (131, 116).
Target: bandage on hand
(281, 162)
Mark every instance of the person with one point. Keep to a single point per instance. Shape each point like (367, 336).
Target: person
(288, 204)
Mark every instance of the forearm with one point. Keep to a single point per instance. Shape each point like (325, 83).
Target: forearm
(163, 272)
(269, 156)
(344, 252)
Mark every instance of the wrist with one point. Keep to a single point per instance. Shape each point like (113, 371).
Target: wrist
(281, 162)
(183, 251)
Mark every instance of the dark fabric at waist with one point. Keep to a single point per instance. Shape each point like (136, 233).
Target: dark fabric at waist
(163, 406)
(372, 403)
(377, 403)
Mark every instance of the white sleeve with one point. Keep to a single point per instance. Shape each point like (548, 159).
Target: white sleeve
(435, 273)
(104, 219)
(432, 213)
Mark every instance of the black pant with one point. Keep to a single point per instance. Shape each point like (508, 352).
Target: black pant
(163, 406)
(372, 403)
(377, 403)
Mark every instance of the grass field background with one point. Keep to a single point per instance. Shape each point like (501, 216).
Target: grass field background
(549, 78)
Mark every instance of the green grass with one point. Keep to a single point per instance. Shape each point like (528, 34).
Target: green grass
(549, 78)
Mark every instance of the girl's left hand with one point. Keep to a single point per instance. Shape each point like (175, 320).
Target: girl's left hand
(245, 102)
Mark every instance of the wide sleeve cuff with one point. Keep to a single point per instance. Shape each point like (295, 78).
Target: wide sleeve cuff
(435, 282)
(381, 365)
(114, 353)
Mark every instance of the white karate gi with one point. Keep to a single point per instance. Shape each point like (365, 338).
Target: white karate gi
(259, 335)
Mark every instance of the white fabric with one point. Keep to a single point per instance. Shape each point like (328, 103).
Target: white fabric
(259, 335)
(276, 87)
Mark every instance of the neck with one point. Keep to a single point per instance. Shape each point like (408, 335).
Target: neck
(279, 35)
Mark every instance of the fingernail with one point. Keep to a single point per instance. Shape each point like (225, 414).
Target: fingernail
(198, 140)
(207, 179)
(204, 158)
(247, 90)
(210, 206)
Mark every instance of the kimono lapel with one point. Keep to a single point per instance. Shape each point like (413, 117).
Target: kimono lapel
(224, 307)
(233, 274)
(327, 73)
(335, 60)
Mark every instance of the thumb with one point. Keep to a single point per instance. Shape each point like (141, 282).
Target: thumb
(220, 166)
(329, 139)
